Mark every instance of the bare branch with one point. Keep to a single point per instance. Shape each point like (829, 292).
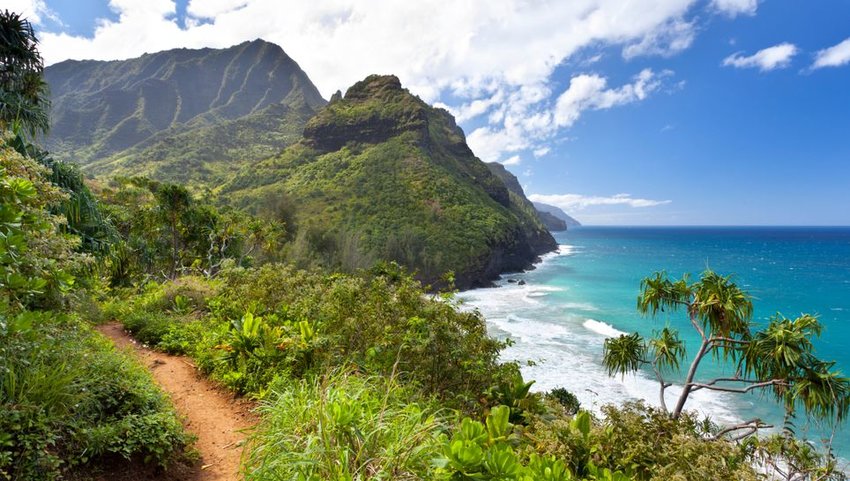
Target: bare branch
(755, 385)
(750, 427)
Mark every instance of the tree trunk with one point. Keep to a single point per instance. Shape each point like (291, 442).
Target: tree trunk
(686, 390)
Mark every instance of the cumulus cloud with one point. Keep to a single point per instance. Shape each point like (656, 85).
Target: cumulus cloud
(834, 56)
(36, 11)
(574, 202)
(529, 117)
(588, 92)
(485, 59)
(675, 37)
(513, 160)
(733, 8)
(778, 56)
(213, 8)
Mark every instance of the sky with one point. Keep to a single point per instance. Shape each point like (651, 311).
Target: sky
(649, 112)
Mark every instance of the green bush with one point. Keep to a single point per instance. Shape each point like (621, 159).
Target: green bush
(566, 399)
(641, 441)
(148, 327)
(67, 397)
(485, 451)
(381, 323)
(343, 427)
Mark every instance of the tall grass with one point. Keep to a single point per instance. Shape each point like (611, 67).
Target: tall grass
(343, 426)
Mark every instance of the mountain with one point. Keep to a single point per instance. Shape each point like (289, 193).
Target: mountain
(380, 174)
(557, 213)
(550, 222)
(191, 116)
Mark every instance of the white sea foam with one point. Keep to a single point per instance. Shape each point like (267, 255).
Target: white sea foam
(579, 306)
(561, 251)
(603, 328)
(566, 348)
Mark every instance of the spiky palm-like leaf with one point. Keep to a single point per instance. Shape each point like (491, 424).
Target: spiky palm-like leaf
(723, 308)
(667, 349)
(624, 354)
(659, 293)
(24, 97)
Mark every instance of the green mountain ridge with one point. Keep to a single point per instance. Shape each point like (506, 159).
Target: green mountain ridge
(545, 210)
(393, 178)
(179, 115)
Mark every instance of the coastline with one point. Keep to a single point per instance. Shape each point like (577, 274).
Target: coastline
(557, 348)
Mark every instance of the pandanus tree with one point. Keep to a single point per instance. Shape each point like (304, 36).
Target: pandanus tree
(24, 98)
(778, 360)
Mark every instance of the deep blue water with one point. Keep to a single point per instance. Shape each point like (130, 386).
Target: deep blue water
(560, 317)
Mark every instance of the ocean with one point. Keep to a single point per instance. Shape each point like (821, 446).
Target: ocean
(576, 297)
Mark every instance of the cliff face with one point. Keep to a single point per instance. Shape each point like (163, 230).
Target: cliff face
(179, 115)
(556, 212)
(392, 178)
(551, 222)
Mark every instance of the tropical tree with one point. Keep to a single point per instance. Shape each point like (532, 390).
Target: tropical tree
(24, 99)
(173, 202)
(778, 360)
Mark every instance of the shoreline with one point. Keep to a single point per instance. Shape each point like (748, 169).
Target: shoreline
(560, 341)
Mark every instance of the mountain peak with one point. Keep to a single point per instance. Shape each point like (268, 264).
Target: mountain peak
(145, 113)
(375, 87)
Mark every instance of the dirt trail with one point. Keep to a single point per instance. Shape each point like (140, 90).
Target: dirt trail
(213, 415)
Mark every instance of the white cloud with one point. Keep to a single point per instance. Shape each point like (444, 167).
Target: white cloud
(513, 160)
(33, 10)
(733, 8)
(778, 56)
(676, 36)
(540, 152)
(589, 92)
(834, 56)
(530, 118)
(573, 202)
(213, 8)
(493, 58)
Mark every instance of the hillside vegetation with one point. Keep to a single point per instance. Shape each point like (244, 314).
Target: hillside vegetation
(192, 116)
(382, 175)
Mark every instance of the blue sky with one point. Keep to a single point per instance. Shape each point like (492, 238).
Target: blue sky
(654, 112)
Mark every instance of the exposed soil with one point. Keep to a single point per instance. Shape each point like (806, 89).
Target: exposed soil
(216, 417)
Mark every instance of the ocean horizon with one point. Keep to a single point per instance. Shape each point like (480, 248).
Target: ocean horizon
(560, 315)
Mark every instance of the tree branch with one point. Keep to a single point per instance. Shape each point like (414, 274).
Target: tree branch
(751, 426)
(755, 384)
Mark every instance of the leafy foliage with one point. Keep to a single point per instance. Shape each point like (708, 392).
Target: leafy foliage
(24, 100)
(343, 426)
(67, 398)
(37, 261)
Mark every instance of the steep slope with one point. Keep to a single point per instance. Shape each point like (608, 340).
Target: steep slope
(179, 115)
(551, 222)
(392, 178)
(520, 202)
(557, 213)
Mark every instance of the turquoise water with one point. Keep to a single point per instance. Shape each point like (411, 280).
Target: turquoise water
(575, 298)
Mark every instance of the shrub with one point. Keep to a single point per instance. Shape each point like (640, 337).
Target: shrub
(148, 327)
(381, 324)
(485, 451)
(67, 397)
(566, 399)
